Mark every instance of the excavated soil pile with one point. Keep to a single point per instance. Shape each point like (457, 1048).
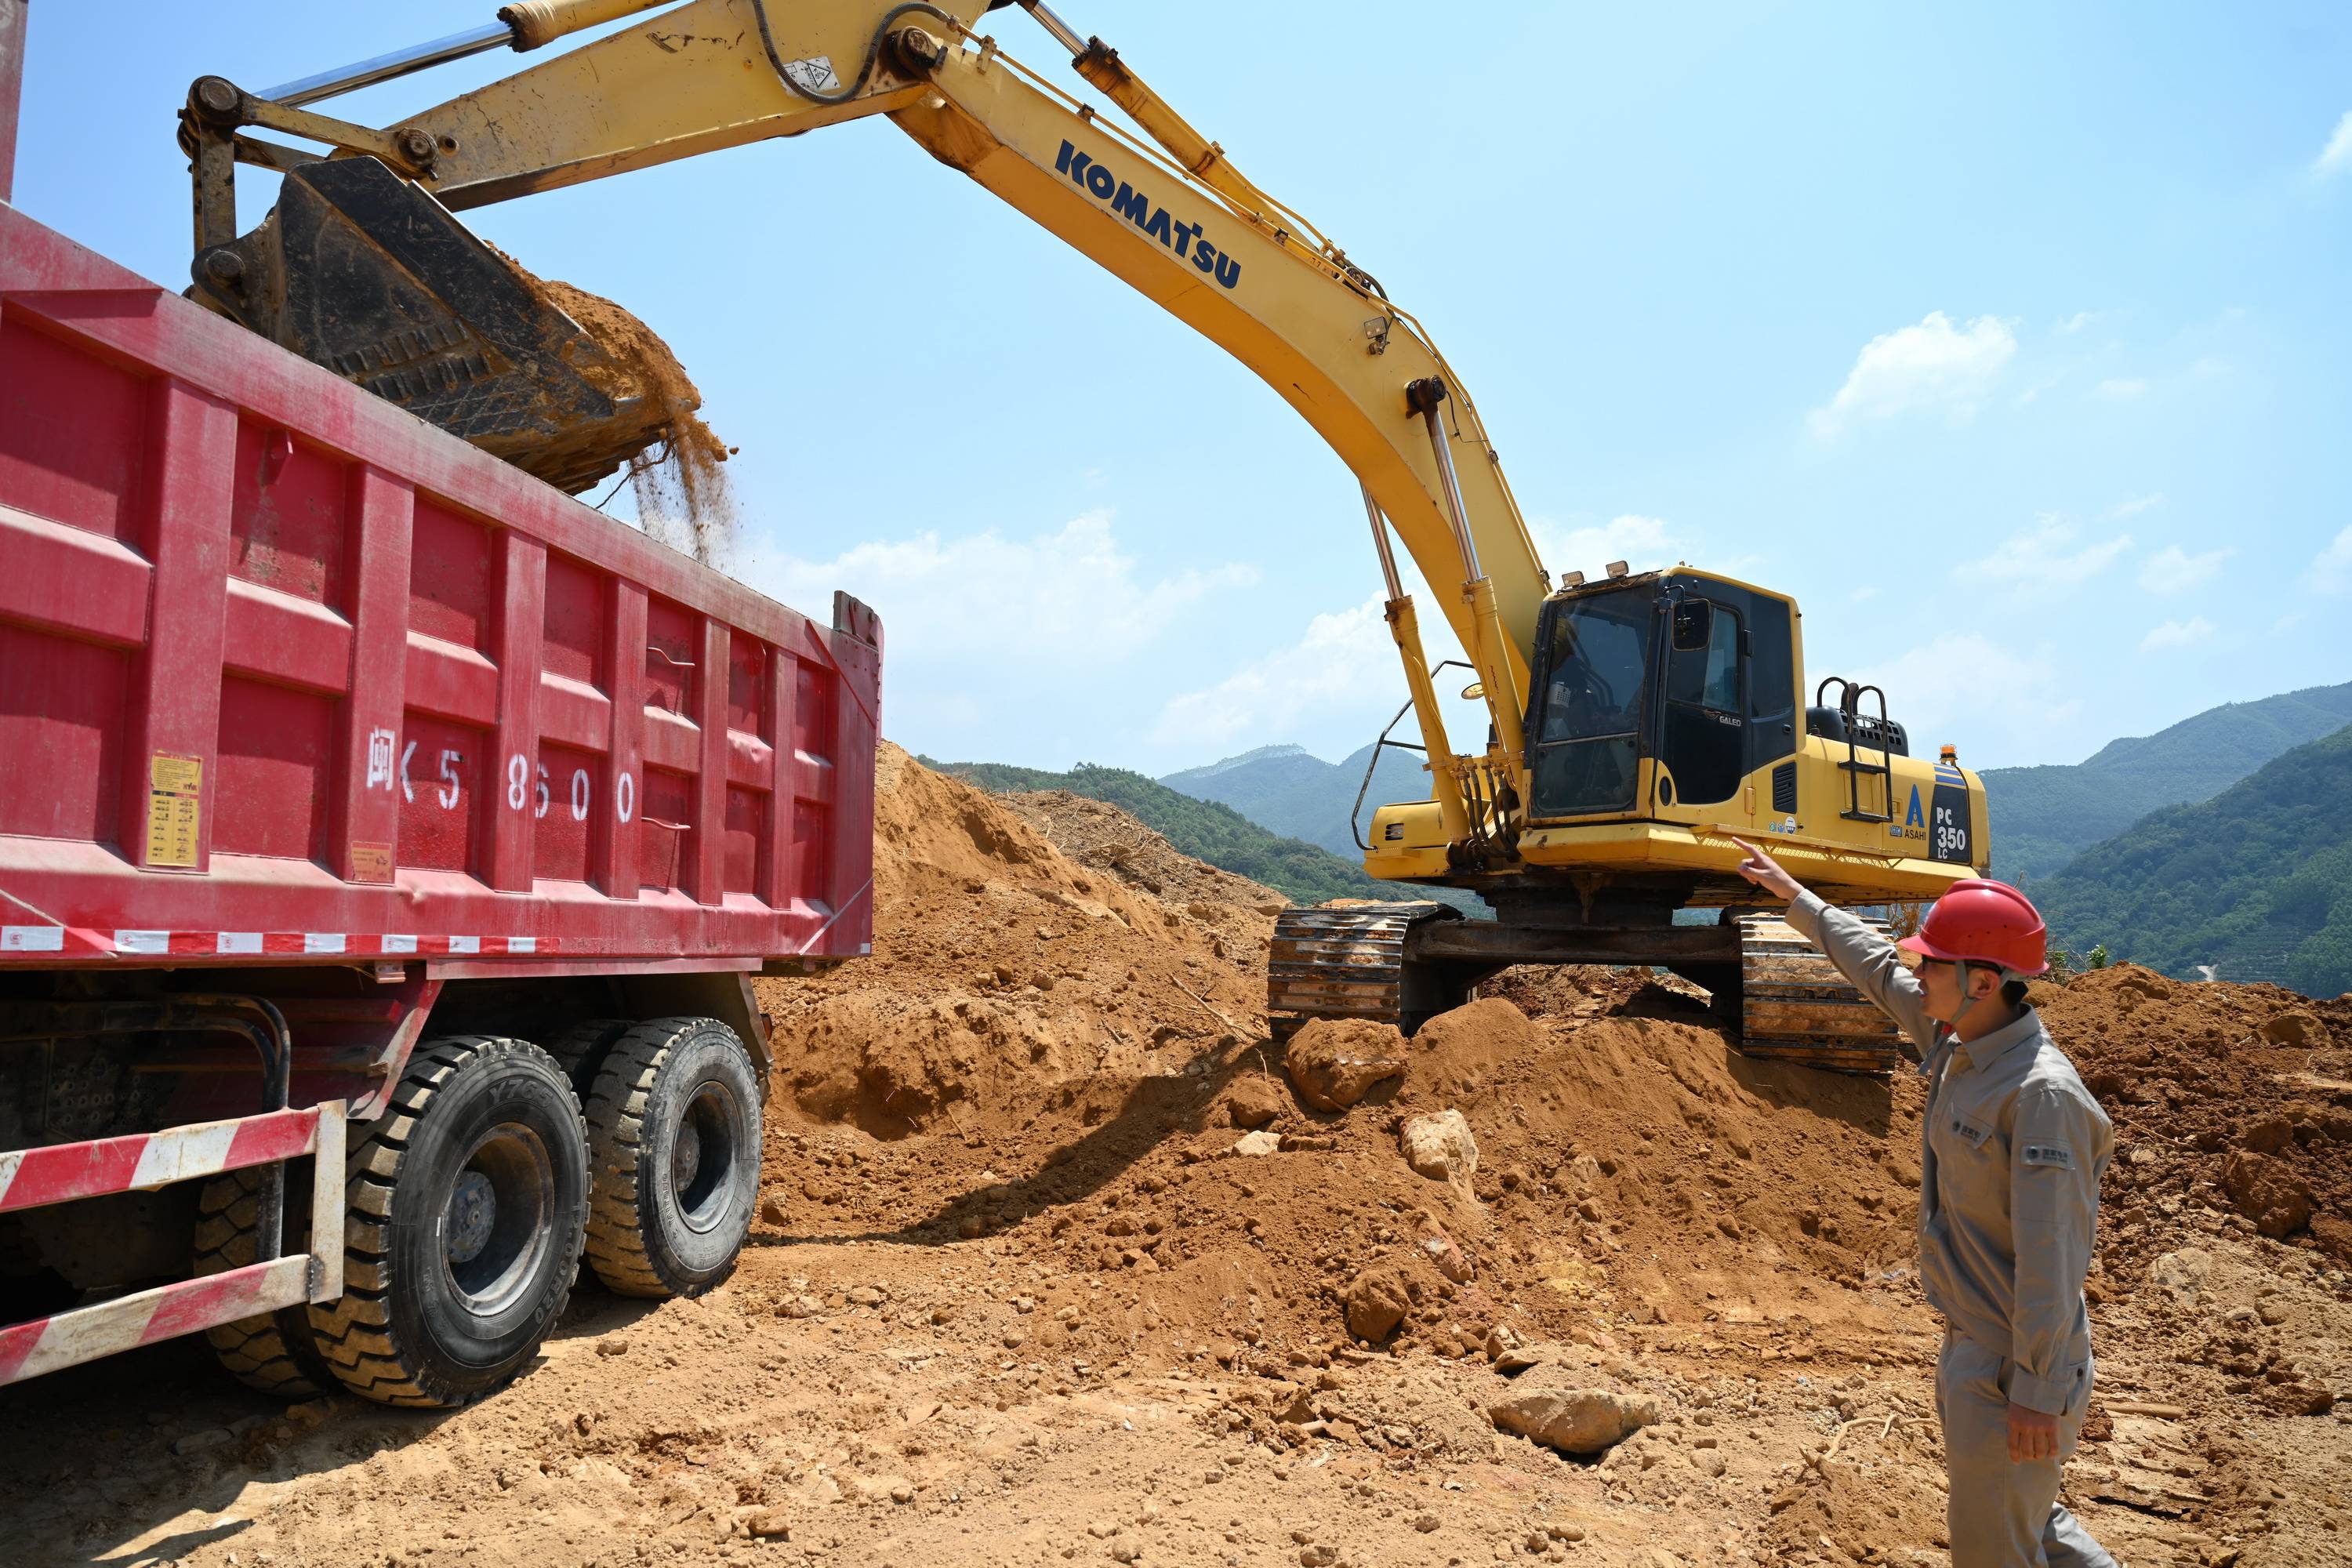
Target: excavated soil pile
(1008, 980)
(2239, 1090)
(1096, 834)
(1057, 1263)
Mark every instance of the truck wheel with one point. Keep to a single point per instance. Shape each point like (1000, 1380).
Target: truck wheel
(463, 1234)
(674, 1139)
(580, 1050)
(273, 1353)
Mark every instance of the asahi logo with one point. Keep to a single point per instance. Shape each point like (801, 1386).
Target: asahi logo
(1184, 238)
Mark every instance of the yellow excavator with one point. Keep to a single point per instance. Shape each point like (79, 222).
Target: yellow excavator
(1637, 720)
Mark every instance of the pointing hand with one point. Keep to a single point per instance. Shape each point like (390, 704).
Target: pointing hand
(1765, 872)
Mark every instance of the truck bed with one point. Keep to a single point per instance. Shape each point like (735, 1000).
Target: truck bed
(288, 675)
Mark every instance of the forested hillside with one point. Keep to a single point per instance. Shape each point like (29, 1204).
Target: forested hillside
(2042, 817)
(1287, 790)
(2255, 882)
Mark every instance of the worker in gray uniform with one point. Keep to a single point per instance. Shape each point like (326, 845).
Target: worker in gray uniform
(2009, 1202)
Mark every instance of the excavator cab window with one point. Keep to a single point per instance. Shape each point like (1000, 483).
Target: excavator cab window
(1588, 732)
(1703, 744)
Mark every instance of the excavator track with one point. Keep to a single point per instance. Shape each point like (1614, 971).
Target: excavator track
(1794, 1006)
(1347, 964)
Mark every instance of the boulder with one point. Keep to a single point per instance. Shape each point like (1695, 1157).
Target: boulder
(2267, 1192)
(1573, 1420)
(2294, 1027)
(1252, 1101)
(1377, 1303)
(1335, 1062)
(2182, 1274)
(1451, 1261)
(1440, 1146)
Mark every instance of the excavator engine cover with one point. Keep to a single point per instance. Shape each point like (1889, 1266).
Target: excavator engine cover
(361, 271)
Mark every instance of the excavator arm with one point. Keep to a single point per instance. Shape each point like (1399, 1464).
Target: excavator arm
(1165, 211)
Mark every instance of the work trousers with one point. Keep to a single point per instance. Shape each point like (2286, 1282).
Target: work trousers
(2000, 1514)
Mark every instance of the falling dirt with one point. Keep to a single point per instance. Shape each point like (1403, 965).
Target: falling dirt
(1053, 1265)
(680, 484)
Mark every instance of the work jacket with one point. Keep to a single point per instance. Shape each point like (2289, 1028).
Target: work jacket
(2012, 1150)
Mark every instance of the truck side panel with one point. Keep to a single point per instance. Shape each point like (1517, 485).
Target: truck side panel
(285, 673)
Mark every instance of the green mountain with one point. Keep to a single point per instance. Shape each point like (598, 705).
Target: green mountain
(2255, 883)
(1211, 831)
(2042, 817)
(1285, 790)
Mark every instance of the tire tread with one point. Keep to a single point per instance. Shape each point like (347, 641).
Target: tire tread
(354, 1331)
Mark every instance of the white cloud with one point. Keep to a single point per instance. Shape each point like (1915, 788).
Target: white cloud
(992, 603)
(2074, 323)
(2337, 156)
(1932, 364)
(1325, 667)
(1863, 594)
(2116, 388)
(2043, 556)
(1973, 690)
(1643, 544)
(2173, 570)
(2331, 569)
(2178, 634)
(2138, 504)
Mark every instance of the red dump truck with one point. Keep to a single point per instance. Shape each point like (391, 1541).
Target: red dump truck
(386, 843)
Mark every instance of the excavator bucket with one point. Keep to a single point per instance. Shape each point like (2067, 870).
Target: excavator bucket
(361, 271)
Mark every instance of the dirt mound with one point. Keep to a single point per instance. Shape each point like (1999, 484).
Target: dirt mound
(2237, 1095)
(1006, 977)
(1100, 835)
(1053, 1264)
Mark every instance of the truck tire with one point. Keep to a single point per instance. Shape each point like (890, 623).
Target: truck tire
(674, 1140)
(462, 1239)
(273, 1353)
(580, 1050)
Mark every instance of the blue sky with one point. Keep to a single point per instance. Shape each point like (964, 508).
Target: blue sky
(2012, 341)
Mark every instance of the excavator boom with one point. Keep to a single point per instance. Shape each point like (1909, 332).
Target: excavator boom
(1636, 723)
(1174, 219)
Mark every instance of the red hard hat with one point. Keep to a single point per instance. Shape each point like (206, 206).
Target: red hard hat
(1977, 922)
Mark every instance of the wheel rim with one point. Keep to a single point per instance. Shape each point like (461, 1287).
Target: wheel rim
(494, 1230)
(704, 1154)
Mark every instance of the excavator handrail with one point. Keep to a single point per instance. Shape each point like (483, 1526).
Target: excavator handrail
(1356, 813)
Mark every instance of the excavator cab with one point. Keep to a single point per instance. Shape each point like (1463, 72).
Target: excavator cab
(1692, 674)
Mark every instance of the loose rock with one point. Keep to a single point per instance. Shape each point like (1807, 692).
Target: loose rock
(1377, 1303)
(1439, 1147)
(1573, 1420)
(1333, 1063)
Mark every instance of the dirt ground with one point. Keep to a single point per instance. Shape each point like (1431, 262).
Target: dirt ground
(1015, 1298)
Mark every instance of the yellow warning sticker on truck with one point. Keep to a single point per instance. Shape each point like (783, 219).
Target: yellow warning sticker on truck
(174, 785)
(370, 861)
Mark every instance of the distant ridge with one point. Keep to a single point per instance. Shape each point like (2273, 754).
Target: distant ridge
(2255, 883)
(1211, 831)
(2042, 817)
